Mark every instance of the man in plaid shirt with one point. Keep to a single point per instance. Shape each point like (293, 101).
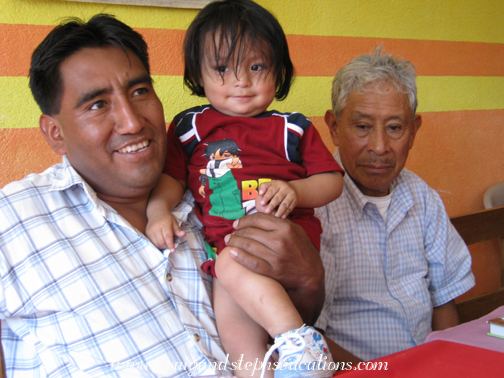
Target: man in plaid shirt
(82, 291)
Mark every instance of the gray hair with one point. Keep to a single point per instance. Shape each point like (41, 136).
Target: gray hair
(366, 71)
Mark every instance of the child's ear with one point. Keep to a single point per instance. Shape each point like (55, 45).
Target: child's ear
(53, 133)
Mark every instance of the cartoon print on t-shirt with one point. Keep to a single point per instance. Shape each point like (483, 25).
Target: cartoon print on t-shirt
(225, 199)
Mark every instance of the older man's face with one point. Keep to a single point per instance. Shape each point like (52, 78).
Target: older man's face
(111, 123)
(374, 136)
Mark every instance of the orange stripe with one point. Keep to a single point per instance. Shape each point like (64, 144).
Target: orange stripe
(323, 56)
(25, 152)
(17, 43)
(459, 154)
(165, 50)
(312, 55)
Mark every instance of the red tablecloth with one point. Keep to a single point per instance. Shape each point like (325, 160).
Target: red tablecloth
(438, 358)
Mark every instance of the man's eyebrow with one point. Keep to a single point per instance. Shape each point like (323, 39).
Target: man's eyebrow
(89, 95)
(358, 115)
(144, 79)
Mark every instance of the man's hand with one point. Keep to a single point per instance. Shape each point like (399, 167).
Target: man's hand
(279, 195)
(281, 250)
(161, 231)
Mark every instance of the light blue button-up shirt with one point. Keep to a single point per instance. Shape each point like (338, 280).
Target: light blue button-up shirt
(84, 294)
(383, 278)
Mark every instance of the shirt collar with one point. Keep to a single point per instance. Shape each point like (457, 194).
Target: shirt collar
(357, 200)
(66, 177)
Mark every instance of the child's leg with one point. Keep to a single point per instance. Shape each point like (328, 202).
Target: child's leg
(261, 297)
(243, 339)
(267, 304)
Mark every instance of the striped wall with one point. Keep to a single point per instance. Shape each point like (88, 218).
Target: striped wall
(456, 46)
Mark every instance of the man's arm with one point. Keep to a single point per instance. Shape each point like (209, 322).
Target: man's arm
(281, 250)
(444, 316)
(341, 356)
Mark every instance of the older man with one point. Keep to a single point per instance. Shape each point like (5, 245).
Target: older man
(82, 291)
(394, 263)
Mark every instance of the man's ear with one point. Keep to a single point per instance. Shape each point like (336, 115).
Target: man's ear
(53, 134)
(332, 123)
(417, 122)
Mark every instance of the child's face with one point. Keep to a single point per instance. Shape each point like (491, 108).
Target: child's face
(244, 93)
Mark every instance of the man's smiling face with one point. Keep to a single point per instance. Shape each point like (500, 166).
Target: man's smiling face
(111, 123)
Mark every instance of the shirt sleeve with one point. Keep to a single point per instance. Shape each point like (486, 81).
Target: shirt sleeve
(449, 260)
(315, 155)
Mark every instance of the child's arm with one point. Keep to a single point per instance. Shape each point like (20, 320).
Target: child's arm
(318, 190)
(161, 225)
(314, 191)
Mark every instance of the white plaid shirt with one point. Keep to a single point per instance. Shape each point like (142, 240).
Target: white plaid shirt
(84, 294)
(384, 277)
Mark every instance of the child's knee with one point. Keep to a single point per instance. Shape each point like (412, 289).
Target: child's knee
(225, 267)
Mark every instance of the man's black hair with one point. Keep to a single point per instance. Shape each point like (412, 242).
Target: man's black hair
(240, 25)
(68, 38)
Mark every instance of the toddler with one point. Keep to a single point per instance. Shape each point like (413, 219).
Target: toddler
(236, 158)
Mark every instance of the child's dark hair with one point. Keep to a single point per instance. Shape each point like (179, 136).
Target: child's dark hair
(241, 26)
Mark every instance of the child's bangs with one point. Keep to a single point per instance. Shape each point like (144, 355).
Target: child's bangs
(237, 44)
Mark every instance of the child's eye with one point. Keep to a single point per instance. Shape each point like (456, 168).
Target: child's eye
(222, 69)
(258, 67)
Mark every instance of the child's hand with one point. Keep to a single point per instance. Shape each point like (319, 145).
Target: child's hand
(279, 195)
(162, 230)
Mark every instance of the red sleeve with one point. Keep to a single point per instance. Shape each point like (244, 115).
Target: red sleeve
(315, 155)
(176, 159)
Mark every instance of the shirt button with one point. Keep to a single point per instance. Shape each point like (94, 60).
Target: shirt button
(169, 277)
(196, 337)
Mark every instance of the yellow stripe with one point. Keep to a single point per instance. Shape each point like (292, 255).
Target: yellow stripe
(461, 20)
(18, 109)
(311, 95)
(452, 20)
(449, 93)
(174, 96)
(436, 94)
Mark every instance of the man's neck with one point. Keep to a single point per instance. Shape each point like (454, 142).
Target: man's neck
(131, 209)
